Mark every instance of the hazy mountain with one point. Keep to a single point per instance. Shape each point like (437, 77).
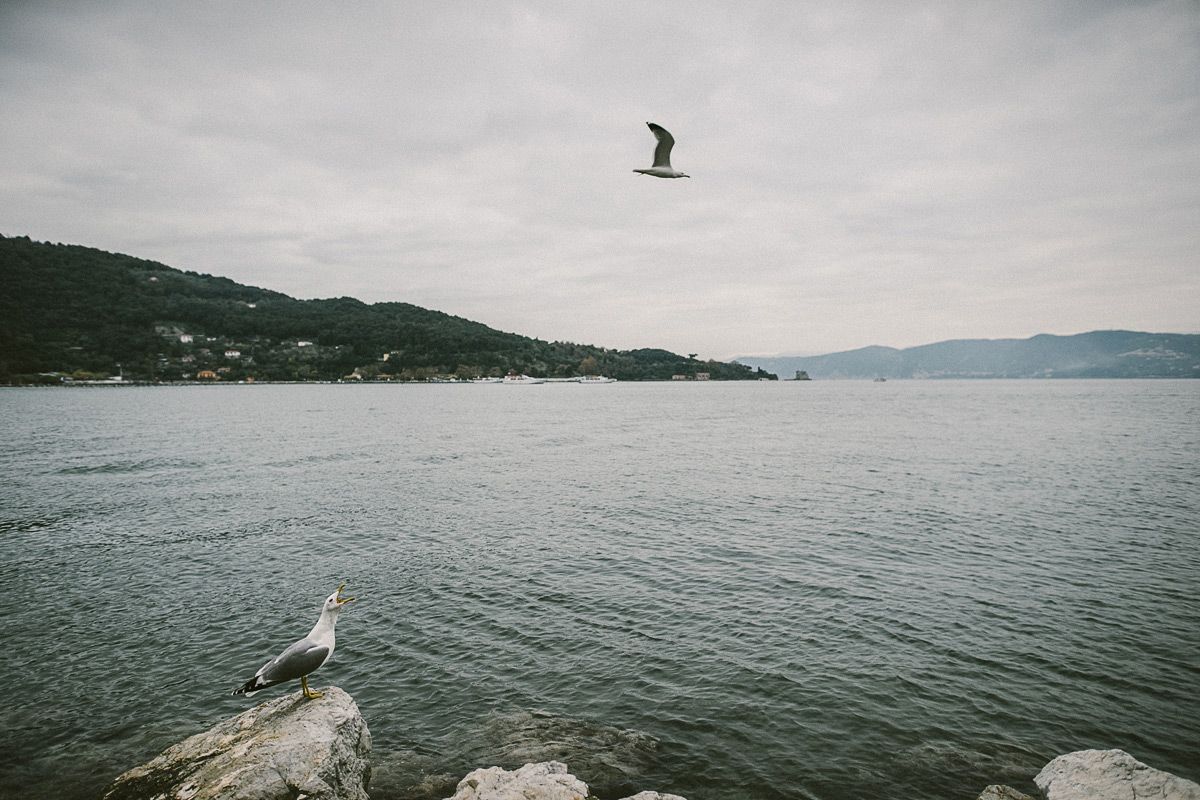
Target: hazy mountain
(1099, 354)
(86, 312)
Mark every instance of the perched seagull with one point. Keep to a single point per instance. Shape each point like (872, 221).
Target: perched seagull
(662, 155)
(303, 657)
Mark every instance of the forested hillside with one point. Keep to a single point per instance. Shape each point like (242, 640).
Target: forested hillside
(67, 310)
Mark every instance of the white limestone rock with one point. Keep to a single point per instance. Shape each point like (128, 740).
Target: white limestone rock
(288, 748)
(545, 780)
(602, 756)
(548, 780)
(1110, 775)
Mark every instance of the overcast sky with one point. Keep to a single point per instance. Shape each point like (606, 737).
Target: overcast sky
(876, 173)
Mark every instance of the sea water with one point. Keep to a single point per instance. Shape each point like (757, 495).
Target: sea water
(722, 590)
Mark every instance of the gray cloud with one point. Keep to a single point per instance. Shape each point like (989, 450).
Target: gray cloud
(863, 173)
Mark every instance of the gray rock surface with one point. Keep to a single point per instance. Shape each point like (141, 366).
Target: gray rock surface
(1001, 792)
(606, 758)
(285, 748)
(547, 780)
(1105, 774)
(609, 760)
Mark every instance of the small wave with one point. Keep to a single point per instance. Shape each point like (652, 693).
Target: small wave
(30, 524)
(121, 467)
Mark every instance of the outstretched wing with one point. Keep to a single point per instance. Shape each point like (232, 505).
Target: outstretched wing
(662, 153)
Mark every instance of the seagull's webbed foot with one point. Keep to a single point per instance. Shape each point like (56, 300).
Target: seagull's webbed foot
(311, 694)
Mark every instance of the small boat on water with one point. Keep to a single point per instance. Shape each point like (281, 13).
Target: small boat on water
(595, 379)
(513, 379)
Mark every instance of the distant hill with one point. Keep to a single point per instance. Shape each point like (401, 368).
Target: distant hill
(1099, 354)
(86, 313)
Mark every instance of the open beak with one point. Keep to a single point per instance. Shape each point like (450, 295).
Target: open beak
(341, 601)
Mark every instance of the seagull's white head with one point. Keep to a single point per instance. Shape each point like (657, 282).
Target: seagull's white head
(335, 601)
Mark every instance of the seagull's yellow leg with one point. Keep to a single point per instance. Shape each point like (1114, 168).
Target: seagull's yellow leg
(311, 694)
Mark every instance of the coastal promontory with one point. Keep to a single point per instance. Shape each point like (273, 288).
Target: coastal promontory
(71, 314)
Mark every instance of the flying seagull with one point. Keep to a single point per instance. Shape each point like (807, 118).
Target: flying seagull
(662, 155)
(303, 657)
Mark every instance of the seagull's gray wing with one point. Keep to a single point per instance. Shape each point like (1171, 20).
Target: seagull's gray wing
(662, 153)
(298, 660)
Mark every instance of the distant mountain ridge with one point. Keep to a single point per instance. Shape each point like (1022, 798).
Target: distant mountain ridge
(73, 312)
(1097, 354)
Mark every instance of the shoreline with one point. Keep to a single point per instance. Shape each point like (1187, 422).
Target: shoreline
(550, 381)
(321, 748)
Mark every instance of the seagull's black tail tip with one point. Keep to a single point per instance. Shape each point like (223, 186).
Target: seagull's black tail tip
(249, 687)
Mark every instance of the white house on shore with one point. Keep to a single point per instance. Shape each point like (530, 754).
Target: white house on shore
(185, 338)
(233, 353)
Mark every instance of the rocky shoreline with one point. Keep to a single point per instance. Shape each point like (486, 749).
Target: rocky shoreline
(290, 748)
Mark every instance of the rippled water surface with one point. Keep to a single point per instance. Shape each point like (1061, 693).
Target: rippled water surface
(793, 590)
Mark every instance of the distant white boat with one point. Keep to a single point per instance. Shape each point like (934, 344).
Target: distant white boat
(512, 379)
(596, 379)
